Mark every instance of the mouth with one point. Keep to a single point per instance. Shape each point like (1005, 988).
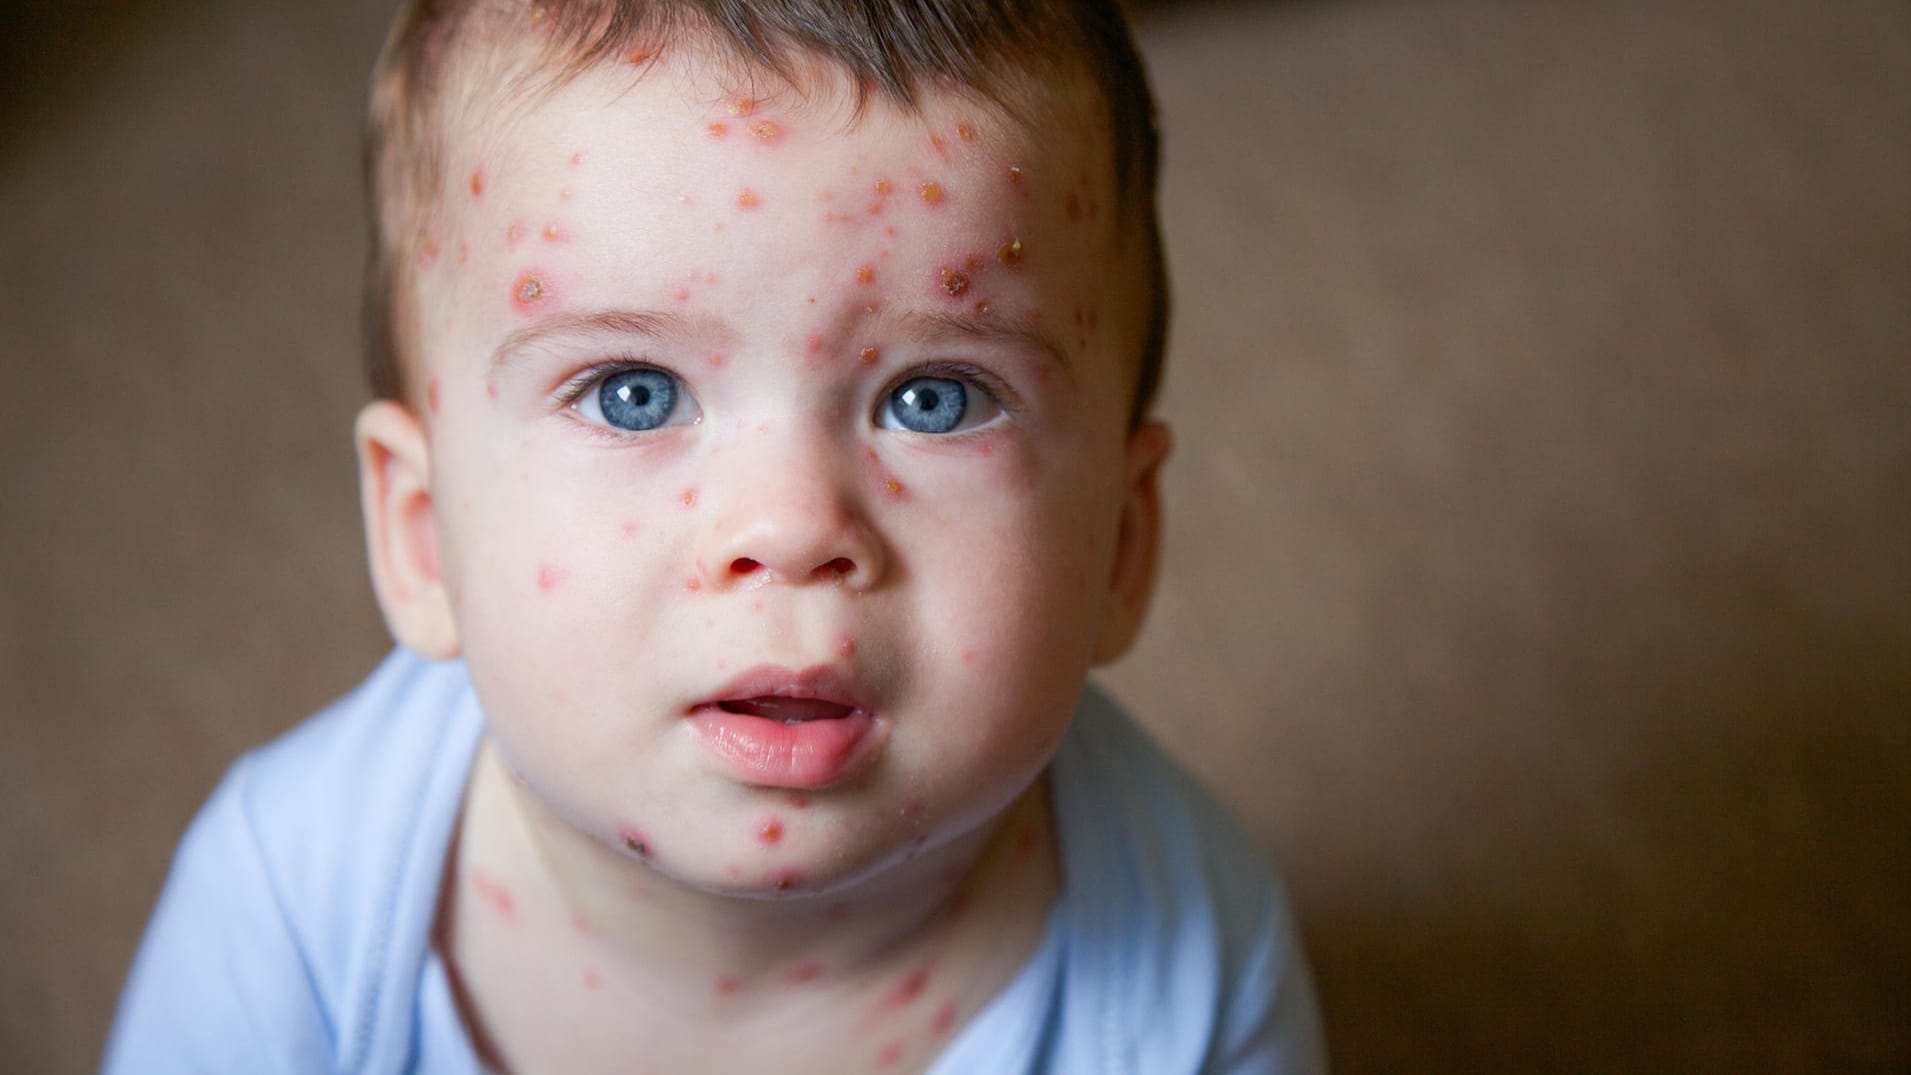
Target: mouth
(772, 692)
(773, 727)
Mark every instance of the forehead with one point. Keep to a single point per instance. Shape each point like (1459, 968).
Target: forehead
(686, 183)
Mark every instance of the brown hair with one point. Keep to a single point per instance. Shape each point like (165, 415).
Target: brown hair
(900, 49)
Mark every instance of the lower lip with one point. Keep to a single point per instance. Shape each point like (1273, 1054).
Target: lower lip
(807, 755)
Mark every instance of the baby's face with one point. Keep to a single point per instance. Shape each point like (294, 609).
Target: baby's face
(778, 462)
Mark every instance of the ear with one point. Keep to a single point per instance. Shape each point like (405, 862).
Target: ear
(401, 533)
(1132, 581)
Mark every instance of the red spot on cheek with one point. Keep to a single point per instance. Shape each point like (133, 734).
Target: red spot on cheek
(770, 832)
(727, 986)
(549, 577)
(495, 894)
(477, 183)
(807, 971)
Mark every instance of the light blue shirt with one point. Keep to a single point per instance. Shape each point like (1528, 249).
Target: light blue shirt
(294, 933)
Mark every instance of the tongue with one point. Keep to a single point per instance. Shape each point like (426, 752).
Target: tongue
(787, 710)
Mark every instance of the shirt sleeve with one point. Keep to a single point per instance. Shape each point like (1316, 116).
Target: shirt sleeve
(1270, 1024)
(220, 982)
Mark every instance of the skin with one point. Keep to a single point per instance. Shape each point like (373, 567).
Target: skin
(618, 895)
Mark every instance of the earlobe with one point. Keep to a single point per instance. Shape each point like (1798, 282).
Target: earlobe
(1132, 580)
(394, 476)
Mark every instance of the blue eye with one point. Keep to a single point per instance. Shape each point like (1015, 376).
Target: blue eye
(927, 405)
(635, 399)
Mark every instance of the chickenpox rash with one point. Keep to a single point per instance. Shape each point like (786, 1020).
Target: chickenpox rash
(741, 106)
(1010, 253)
(718, 129)
(931, 193)
(495, 894)
(895, 490)
(728, 985)
(1018, 180)
(846, 646)
(514, 233)
(799, 801)
(887, 1056)
(954, 282)
(693, 584)
(813, 343)
(716, 361)
(689, 498)
(591, 980)
(577, 158)
(865, 274)
(529, 290)
(965, 131)
(807, 971)
(905, 991)
(747, 199)
(635, 843)
(477, 183)
(786, 881)
(868, 356)
(766, 131)
(433, 395)
(770, 832)
(553, 234)
(944, 1020)
(549, 577)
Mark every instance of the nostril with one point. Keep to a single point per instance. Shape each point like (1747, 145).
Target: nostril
(743, 565)
(840, 567)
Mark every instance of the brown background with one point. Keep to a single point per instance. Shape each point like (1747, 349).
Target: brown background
(1539, 586)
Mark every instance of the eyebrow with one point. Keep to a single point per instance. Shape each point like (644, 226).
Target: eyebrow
(590, 322)
(931, 324)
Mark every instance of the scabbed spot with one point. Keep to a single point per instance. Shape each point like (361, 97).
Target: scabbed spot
(747, 199)
(868, 356)
(529, 290)
(932, 192)
(634, 841)
(955, 282)
(1010, 253)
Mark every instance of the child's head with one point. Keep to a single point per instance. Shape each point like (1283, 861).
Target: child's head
(777, 456)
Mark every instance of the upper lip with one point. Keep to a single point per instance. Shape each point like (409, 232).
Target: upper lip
(824, 683)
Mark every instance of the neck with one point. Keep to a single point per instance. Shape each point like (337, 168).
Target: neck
(653, 932)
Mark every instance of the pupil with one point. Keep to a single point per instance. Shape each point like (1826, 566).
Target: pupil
(927, 399)
(635, 394)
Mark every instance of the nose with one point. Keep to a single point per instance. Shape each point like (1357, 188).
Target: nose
(790, 514)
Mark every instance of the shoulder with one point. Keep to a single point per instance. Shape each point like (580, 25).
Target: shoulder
(1181, 939)
(306, 882)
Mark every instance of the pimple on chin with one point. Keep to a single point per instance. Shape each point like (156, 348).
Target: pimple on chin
(770, 832)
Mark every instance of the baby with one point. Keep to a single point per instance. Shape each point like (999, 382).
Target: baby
(762, 459)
